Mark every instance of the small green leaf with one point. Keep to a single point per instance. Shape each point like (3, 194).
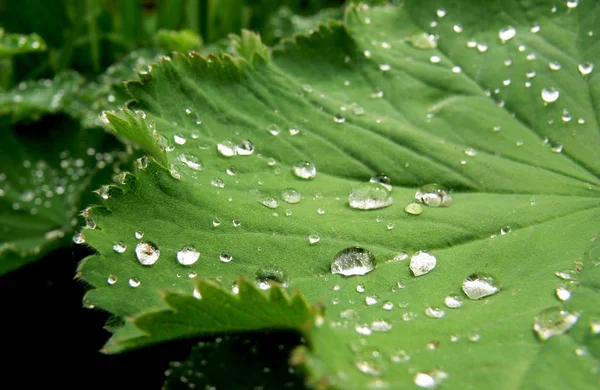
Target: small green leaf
(13, 44)
(181, 41)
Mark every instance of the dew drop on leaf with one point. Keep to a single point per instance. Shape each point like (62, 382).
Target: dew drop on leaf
(387, 305)
(399, 356)
(453, 301)
(236, 222)
(138, 234)
(339, 118)
(505, 230)
(369, 196)
(216, 182)
(191, 161)
(434, 312)
(78, 238)
(270, 274)
(353, 261)
(507, 33)
(585, 68)
(414, 209)
(119, 247)
(563, 292)
(424, 41)
(383, 180)
(434, 195)
(188, 255)
(227, 148)
(553, 321)
(430, 380)
(179, 139)
(112, 279)
(363, 329)
(370, 362)
(314, 238)
(291, 195)
(422, 262)
(381, 326)
(225, 257)
(273, 129)
(269, 202)
(554, 65)
(385, 67)
(360, 288)
(550, 95)
(305, 170)
(479, 285)
(147, 252)
(134, 282)
(245, 148)
(371, 300)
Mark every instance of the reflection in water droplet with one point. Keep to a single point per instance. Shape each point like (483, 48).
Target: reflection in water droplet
(134, 282)
(434, 312)
(553, 322)
(244, 148)
(563, 292)
(273, 129)
(291, 195)
(383, 180)
(422, 262)
(225, 257)
(430, 380)
(414, 209)
(505, 230)
(369, 196)
(305, 170)
(147, 252)
(188, 255)
(339, 118)
(179, 139)
(434, 195)
(550, 95)
(479, 285)
(112, 279)
(453, 301)
(353, 261)
(119, 247)
(585, 68)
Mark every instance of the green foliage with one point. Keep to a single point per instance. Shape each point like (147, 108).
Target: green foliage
(13, 44)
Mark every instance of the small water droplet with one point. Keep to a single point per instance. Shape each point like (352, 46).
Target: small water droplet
(381, 326)
(273, 129)
(188, 255)
(269, 202)
(353, 261)
(216, 182)
(350, 315)
(388, 305)
(563, 292)
(399, 356)
(371, 300)
(270, 274)
(457, 28)
(216, 222)
(78, 238)
(139, 234)
(422, 262)
(179, 139)
(305, 170)
(585, 68)
(294, 131)
(314, 238)
(339, 118)
(192, 162)
(505, 230)
(482, 47)
(134, 282)
(369, 196)
(434, 312)
(507, 33)
(400, 256)
(434, 195)
(225, 257)
(360, 288)
(227, 148)
(363, 329)
(595, 326)
(231, 171)
(553, 321)
(572, 3)
(430, 380)
(480, 285)
(424, 41)
(290, 195)
(119, 247)
(236, 222)
(550, 95)
(554, 65)
(385, 67)
(453, 301)
(409, 316)
(112, 279)
(244, 148)
(414, 209)
(147, 252)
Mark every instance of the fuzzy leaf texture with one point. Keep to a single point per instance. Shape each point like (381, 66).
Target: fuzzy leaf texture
(429, 92)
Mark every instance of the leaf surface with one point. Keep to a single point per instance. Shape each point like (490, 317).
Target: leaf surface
(368, 96)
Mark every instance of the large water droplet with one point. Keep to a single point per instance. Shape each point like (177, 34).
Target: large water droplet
(585, 68)
(434, 195)
(553, 322)
(353, 261)
(179, 139)
(291, 195)
(305, 170)
(550, 95)
(370, 196)
(119, 247)
(188, 255)
(479, 285)
(147, 252)
(430, 380)
(422, 262)
(507, 33)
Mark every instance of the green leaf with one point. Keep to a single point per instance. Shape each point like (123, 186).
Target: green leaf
(13, 44)
(182, 41)
(43, 184)
(377, 95)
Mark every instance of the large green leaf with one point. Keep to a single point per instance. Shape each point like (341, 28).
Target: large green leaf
(379, 94)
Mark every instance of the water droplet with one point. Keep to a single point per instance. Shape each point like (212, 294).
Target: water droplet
(388, 305)
(385, 67)
(244, 148)
(188, 255)
(147, 252)
(339, 118)
(270, 274)
(585, 68)
(408, 316)
(360, 288)
(313, 238)
(383, 180)
(231, 171)
(434, 59)
(371, 300)
(369, 196)
(320, 211)
(370, 362)
(236, 222)
(553, 322)
(179, 139)
(271, 203)
(572, 3)
(550, 95)
(216, 182)
(470, 151)
(453, 301)
(595, 327)
(400, 256)
(505, 230)
(119, 247)
(424, 41)
(566, 274)
(290, 195)
(381, 326)
(305, 170)
(507, 33)
(273, 129)
(350, 315)
(138, 234)
(112, 279)
(430, 380)
(457, 28)
(196, 293)
(479, 285)
(216, 222)
(434, 195)
(434, 312)
(225, 257)
(191, 161)
(422, 262)
(414, 208)
(563, 292)
(474, 337)
(227, 148)
(294, 131)
(134, 282)
(78, 238)
(482, 47)
(399, 356)
(353, 261)
(554, 65)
